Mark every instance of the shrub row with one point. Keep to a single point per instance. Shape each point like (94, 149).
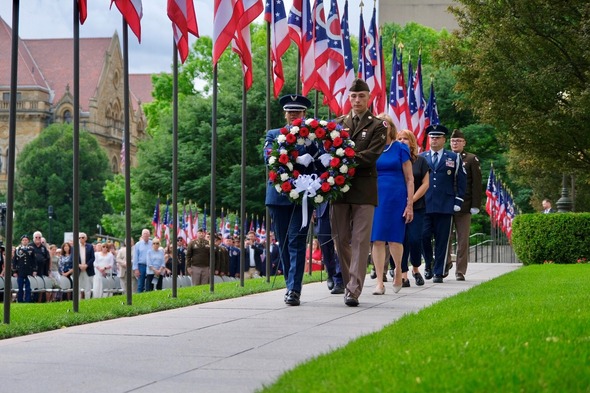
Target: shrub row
(551, 238)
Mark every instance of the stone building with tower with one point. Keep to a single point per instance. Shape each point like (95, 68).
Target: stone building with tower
(44, 93)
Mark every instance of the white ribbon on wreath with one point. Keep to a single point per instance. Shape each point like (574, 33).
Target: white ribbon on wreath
(308, 184)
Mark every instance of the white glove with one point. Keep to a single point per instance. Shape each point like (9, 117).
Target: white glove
(325, 159)
(474, 210)
(457, 208)
(305, 159)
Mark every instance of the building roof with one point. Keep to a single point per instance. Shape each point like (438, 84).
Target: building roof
(48, 63)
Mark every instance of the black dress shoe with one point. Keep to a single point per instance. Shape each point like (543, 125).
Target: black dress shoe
(448, 267)
(330, 283)
(293, 299)
(350, 300)
(286, 295)
(437, 279)
(373, 274)
(419, 279)
(405, 283)
(428, 274)
(337, 290)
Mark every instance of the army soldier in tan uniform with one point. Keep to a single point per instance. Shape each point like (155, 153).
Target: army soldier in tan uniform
(351, 215)
(471, 203)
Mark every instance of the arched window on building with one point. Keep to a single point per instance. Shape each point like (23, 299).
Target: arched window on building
(67, 117)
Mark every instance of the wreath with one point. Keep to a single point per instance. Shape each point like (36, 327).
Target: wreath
(337, 158)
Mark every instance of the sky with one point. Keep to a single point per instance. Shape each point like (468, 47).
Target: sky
(53, 19)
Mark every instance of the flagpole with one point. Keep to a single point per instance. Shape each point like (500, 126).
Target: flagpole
(243, 183)
(213, 182)
(174, 167)
(267, 211)
(11, 156)
(76, 163)
(126, 141)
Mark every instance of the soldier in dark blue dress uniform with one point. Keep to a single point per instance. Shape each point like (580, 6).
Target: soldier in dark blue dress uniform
(443, 198)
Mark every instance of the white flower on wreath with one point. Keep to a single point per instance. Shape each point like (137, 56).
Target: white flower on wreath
(281, 138)
(294, 130)
(284, 176)
(351, 143)
(278, 188)
(340, 152)
(283, 151)
(290, 166)
(318, 199)
(308, 121)
(300, 141)
(344, 169)
(330, 180)
(323, 123)
(334, 134)
(272, 160)
(294, 194)
(345, 188)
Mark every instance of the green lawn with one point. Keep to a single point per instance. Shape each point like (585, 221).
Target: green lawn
(526, 331)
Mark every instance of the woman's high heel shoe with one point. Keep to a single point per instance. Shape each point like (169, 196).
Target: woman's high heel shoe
(397, 288)
(379, 290)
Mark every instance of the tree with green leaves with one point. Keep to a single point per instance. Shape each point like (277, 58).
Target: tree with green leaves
(44, 178)
(524, 68)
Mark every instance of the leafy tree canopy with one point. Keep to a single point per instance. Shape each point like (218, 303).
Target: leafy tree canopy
(524, 67)
(44, 178)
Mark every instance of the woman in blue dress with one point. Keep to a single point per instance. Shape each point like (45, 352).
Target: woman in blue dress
(395, 186)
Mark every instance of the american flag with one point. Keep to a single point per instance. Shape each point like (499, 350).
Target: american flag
(412, 104)
(224, 26)
(237, 226)
(156, 219)
(321, 49)
(167, 222)
(301, 32)
(362, 56)
(184, 21)
(189, 224)
(275, 14)
(348, 63)
(491, 193)
(398, 105)
(381, 99)
(132, 12)
(336, 60)
(248, 11)
(430, 113)
(419, 94)
(373, 69)
(82, 10)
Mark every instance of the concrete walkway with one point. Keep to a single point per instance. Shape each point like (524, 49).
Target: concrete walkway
(235, 345)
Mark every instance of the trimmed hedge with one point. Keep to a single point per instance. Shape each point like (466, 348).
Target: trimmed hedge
(551, 238)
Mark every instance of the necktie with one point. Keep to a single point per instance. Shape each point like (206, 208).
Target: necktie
(435, 159)
(355, 122)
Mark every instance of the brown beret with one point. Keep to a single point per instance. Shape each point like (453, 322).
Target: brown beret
(359, 85)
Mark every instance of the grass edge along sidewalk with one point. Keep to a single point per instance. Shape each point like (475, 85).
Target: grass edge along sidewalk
(29, 318)
(526, 331)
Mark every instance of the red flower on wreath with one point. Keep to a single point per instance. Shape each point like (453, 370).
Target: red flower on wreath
(295, 174)
(284, 131)
(344, 134)
(339, 180)
(294, 154)
(337, 141)
(351, 172)
(286, 186)
(335, 162)
(325, 187)
(320, 133)
(291, 138)
(297, 122)
(314, 124)
(327, 144)
(284, 159)
(325, 175)
(331, 126)
(349, 152)
(304, 132)
(272, 176)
